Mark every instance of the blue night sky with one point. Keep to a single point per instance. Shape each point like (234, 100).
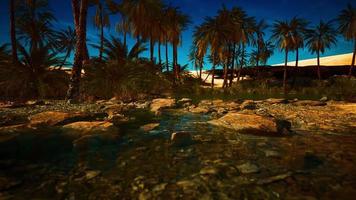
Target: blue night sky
(270, 10)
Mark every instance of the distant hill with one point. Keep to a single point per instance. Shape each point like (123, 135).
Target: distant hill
(337, 60)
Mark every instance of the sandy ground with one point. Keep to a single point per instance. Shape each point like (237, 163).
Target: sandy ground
(343, 59)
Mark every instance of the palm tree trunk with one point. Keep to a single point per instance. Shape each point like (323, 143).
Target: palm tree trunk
(225, 84)
(138, 42)
(125, 40)
(15, 58)
(353, 60)
(200, 70)
(73, 90)
(101, 33)
(151, 48)
(242, 61)
(159, 53)
(65, 59)
(175, 65)
(213, 76)
(297, 57)
(285, 73)
(232, 64)
(167, 64)
(318, 67)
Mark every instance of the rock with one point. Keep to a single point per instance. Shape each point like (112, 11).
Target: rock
(6, 183)
(181, 138)
(118, 119)
(250, 124)
(309, 103)
(149, 127)
(248, 105)
(248, 168)
(276, 101)
(35, 103)
(159, 188)
(209, 171)
(92, 142)
(199, 110)
(13, 128)
(84, 127)
(12, 119)
(52, 118)
(324, 99)
(184, 102)
(273, 179)
(115, 109)
(272, 153)
(159, 104)
(91, 174)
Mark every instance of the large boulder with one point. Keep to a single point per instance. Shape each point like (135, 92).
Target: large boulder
(252, 124)
(53, 118)
(159, 104)
(88, 128)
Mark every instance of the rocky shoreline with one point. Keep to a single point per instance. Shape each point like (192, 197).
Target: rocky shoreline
(214, 148)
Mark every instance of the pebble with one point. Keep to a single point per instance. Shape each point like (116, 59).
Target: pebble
(248, 168)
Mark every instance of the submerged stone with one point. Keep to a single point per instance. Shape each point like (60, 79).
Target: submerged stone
(181, 138)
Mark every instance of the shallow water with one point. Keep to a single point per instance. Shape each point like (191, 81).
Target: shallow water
(219, 164)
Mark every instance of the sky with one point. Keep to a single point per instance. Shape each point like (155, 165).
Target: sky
(269, 10)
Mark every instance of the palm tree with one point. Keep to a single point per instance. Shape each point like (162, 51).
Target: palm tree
(282, 34)
(319, 39)
(114, 49)
(66, 43)
(177, 23)
(214, 34)
(347, 21)
(73, 90)
(258, 41)
(263, 54)
(298, 26)
(15, 58)
(101, 20)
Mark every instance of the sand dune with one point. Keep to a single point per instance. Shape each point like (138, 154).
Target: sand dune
(343, 59)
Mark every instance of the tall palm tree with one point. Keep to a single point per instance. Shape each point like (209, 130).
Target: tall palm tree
(263, 54)
(347, 21)
(282, 34)
(101, 20)
(258, 41)
(320, 38)
(298, 27)
(66, 43)
(177, 23)
(73, 90)
(15, 58)
(214, 34)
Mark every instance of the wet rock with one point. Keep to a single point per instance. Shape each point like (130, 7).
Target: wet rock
(276, 101)
(249, 124)
(91, 142)
(159, 104)
(91, 174)
(184, 102)
(181, 138)
(149, 127)
(13, 128)
(84, 127)
(115, 109)
(324, 99)
(35, 103)
(118, 119)
(12, 119)
(52, 118)
(159, 188)
(187, 184)
(8, 183)
(248, 105)
(273, 179)
(248, 168)
(209, 171)
(199, 110)
(272, 153)
(309, 103)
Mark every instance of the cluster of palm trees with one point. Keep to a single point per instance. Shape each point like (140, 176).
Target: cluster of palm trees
(223, 39)
(226, 36)
(145, 20)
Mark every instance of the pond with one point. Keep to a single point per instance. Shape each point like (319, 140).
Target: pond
(217, 164)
